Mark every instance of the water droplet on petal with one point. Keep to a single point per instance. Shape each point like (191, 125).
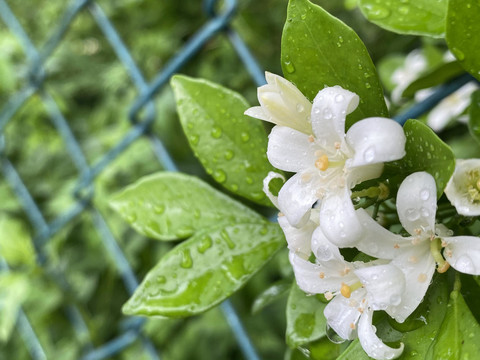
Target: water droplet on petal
(464, 264)
(369, 154)
(412, 214)
(327, 113)
(339, 98)
(333, 336)
(424, 194)
(395, 299)
(300, 108)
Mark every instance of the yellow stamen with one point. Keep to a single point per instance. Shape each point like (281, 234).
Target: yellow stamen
(311, 139)
(422, 278)
(321, 275)
(322, 163)
(352, 326)
(396, 246)
(345, 290)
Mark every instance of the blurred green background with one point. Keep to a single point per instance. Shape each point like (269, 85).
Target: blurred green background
(94, 93)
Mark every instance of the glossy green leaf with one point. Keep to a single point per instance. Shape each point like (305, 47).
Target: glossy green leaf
(230, 145)
(319, 50)
(205, 269)
(274, 292)
(13, 291)
(170, 206)
(463, 27)
(419, 329)
(425, 151)
(433, 77)
(474, 116)
(305, 319)
(459, 334)
(415, 17)
(15, 244)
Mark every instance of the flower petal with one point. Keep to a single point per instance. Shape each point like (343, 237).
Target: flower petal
(342, 314)
(358, 174)
(323, 249)
(330, 107)
(257, 112)
(418, 266)
(296, 197)
(463, 253)
(322, 277)
(298, 239)
(373, 346)
(290, 150)
(283, 104)
(417, 202)
(271, 175)
(462, 188)
(377, 241)
(384, 284)
(338, 219)
(376, 140)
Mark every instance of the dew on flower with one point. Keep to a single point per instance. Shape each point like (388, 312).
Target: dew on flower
(369, 154)
(333, 336)
(465, 263)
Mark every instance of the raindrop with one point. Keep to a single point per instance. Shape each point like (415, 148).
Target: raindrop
(249, 180)
(424, 194)
(234, 187)
(244, 136)
(216, 132)
(205, 244)
(464, 264)
(412, 214)
(159, 209)
(369, 154)
(404, 10)
(376, 12)
(161, 279)
(324, 253)
(333, 336)
(187, 261)
(193, 139)
(220, 176)
(300, 108)
(229, 154)
(395, 299)
(425, 212)
(458, 53)
(303, 16)
(289, 67)
(367, 85)
(339, 98)
(327, 113)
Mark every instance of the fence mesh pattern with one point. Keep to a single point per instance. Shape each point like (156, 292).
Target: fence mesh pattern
(142, 114)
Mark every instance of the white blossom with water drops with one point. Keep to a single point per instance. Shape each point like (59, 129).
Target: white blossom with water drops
(328, 162)
(463, 188)
(356, 290)
(415, 63)
(417, 255)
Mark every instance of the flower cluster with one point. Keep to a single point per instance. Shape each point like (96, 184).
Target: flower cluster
(318, 217)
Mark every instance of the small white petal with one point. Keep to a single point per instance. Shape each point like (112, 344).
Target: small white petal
(256, 112)
(338, 218)
(417, 202)
(342, 317)
(319, 278)
(271, 175)
(298, 239)
(356, 175)
(290, 150)
(462, 188)
(296, 197)
(323, 249)
(376, 140)
(330, 107)
(385, 285)
(463, 253)
(373, 346)
(377, 241)
(418, 266)
(283, 104)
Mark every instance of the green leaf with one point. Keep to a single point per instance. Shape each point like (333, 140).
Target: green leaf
(230, 145)
(305, 319)
(205, 269)
(274, 292)
(459, 333)
(319, 50)
(419, 17)
(13, 291)
(15, 243)
(433, 77)
(425, 151)
(474, 116)
(462, 38)
(170, 206)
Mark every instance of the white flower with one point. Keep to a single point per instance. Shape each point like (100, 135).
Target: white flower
(415, 63)
(451, 107)
(327, 162)
(463, 189)
(416, 255)
(357, 290)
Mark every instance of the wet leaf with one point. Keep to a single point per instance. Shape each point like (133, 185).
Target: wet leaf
(305, 319)
(425, 151)
(170, 206)
(231, 146)
(319, 50)
(474, 116)
(205, 269)
(462, 34)
(415, 17)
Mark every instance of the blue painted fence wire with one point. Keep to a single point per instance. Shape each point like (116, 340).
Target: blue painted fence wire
(218, 23)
